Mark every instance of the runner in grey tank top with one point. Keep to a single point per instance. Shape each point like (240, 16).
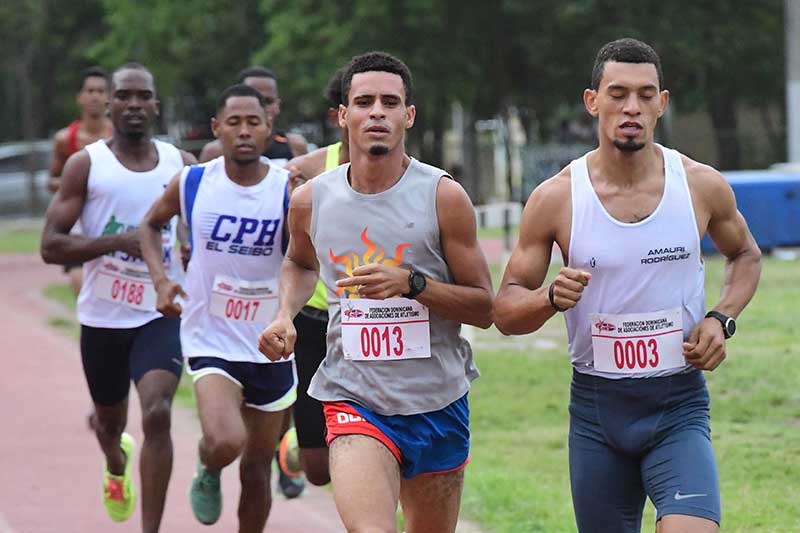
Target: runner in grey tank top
(394, 241)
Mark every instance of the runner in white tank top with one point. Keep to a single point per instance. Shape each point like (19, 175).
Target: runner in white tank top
(235, 207)
(109, 186)
(628, 218)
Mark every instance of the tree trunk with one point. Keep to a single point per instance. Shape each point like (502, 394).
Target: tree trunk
(23, 71)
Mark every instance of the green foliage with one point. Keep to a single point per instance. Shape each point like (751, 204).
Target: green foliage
(536, 56)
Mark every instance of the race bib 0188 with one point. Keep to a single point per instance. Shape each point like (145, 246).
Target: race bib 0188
(385, 330)
(124, 283)
(639, 342)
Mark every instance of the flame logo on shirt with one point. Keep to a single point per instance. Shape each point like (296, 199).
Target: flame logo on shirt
(374, 254)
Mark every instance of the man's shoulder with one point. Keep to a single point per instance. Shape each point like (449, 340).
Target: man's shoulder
(61, 140)
(211, 150)
(311, 164)
(703, 178)
(429, 169)
(554, 189)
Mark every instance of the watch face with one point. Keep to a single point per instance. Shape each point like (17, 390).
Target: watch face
(730, 325)
(418, 282)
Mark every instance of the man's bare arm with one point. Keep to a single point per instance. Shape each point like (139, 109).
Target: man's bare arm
(160, 213)
(731, 236)
(59, 159)
(523, 304)
(57, 245)
(306, 167)
(469, 298)
(299, 273)
(182, 231)
(210, 151)
(300, 269)
(297, 144)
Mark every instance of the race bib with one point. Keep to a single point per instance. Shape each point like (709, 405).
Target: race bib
(125, 283)
(385, 330)
(244, 301)
(635, 343)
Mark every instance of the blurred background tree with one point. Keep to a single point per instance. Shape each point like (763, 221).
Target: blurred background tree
(723, 61)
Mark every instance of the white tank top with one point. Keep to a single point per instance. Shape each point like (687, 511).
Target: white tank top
(236, 234)
(637, 268)
(117, 291)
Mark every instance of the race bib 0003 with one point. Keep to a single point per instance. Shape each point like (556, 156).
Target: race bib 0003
(385, 330)
(639, 342)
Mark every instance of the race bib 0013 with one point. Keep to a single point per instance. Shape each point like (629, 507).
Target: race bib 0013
(385, 330)
(639, 342)
(124, 283)
(244, 301)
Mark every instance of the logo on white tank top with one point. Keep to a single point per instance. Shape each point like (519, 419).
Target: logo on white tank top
(242, 235)
(661, 255)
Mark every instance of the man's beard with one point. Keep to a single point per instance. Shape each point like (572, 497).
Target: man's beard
(628, 146)
(378, 149)
(136, 135)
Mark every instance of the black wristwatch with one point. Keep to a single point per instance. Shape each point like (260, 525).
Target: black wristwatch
(728, 324)
(416, 284)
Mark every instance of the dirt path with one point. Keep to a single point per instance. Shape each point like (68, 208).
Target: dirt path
(50, 464)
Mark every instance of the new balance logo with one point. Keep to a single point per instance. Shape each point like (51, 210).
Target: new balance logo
(678, 496)
(344, 418)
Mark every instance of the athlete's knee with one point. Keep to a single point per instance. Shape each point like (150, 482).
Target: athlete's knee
(156, 418)
(254, 473)
(223, 448)
(317, 474)
(109, 427)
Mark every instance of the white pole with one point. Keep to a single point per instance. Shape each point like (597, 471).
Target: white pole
(792, 13)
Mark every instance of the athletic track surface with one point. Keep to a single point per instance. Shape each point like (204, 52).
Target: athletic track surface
(50, 463)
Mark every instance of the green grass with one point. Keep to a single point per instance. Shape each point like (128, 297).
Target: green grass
(497, 233)
(519, 480)
(19, 241)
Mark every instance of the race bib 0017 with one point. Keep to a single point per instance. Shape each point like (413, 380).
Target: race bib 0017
(244, 301)
(124, 283)
(385, 330)
(639, 342)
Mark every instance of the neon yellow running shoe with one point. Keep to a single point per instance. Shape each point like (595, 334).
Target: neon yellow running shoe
(119, 495)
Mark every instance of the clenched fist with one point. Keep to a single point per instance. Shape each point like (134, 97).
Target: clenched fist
(568, 287)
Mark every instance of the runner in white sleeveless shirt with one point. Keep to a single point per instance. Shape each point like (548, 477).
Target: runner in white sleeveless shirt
(628, 218)
(109, 186)
(394, 240)
(235, 207)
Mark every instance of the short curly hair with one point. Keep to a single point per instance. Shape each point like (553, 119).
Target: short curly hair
(376, 62)
(625, 50)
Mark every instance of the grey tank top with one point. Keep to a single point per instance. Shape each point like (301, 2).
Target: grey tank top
(396, 226)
